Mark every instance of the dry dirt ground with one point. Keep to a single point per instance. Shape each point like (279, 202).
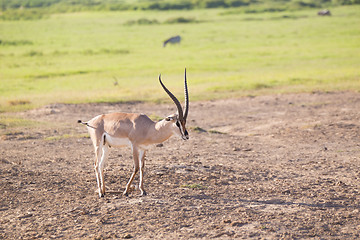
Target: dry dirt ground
(268, 167)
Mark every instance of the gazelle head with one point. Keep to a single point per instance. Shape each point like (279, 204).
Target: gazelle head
(179, 119)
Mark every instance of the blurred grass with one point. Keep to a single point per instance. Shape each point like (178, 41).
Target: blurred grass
(74, 57)
(66, 136)
(10, 122)
(193, 186)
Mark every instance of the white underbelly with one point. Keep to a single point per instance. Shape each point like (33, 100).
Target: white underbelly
(117, 142)
(122, 142)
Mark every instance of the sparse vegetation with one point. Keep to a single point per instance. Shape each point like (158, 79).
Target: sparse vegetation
(33, 53)
(215, 132)
(142, 21)
(15, 42)
(65, 136)
(173, 20)
(18, 102)
(193, 186)
(180, 20)
(198, 129)
(9, 122)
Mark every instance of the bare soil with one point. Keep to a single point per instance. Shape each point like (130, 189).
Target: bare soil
(268, 167)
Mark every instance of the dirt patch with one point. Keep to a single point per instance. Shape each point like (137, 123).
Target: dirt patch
(285, 166)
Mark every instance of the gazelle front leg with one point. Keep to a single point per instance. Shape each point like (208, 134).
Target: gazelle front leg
(142, 165)
(136, 169)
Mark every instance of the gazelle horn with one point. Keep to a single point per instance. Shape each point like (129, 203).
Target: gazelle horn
(175, 100)
(186, 93)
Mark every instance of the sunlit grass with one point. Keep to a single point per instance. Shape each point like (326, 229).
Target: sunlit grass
(11, 122)
(193, 186)
(75, 57)
(66, 136)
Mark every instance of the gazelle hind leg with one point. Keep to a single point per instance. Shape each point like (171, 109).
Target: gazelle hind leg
(142, 165)
(104, 154)
(96, 168)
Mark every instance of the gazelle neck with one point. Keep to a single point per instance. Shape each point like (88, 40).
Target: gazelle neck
(163, 131)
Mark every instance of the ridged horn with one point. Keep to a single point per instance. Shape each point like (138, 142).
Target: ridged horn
(175, 100)
(186, 93)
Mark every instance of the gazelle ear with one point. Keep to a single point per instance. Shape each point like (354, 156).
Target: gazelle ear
(170, 118)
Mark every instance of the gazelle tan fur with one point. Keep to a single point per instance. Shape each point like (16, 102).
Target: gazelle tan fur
(137, 131)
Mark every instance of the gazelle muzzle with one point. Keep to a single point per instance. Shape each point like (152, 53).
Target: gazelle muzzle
(184, 133)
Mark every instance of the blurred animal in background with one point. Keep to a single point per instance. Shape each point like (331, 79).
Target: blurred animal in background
(172, 40)
(116, 82)
(324, 12)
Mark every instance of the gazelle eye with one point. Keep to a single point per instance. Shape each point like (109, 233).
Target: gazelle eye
(177, 123)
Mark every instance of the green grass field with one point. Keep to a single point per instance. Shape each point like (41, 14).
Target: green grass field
(74, 57)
